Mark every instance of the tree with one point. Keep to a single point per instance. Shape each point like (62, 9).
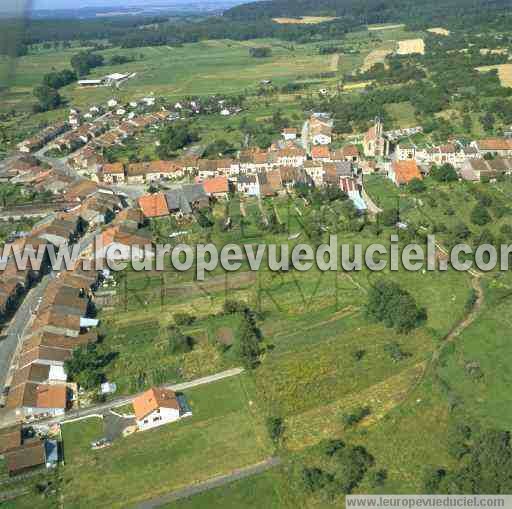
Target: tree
(173, 138)
(389, 217)
(275, 428)
(356, 416)
(249, 345)
(432, 480)
(181, 319)
(60, 79)
(315, 479)
(85, 365)
(416, 186)
(378, 478)
(179, 342)
(260, 52)
(218, 148)
(395, 307)
(84, 61)
(353, 465)
(480, 216)
(49, 98)
(444, 173)
(332, 446)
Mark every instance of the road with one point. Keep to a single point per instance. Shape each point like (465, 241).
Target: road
(60, 165)
(210, 484)
(109, 405)
(17, 326)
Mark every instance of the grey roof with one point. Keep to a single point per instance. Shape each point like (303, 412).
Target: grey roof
(182, 198)
(246, 179)
(343, 169)
(176, 200)
(194, 192)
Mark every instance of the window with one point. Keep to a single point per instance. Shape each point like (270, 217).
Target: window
(145, 421)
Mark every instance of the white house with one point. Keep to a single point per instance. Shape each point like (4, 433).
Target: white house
(289, 133)
(112, 103)
(157, 407)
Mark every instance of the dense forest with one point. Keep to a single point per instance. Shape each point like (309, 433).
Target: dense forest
(253, 20)
(365, 11)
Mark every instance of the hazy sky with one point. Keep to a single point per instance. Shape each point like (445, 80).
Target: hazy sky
(66, 4)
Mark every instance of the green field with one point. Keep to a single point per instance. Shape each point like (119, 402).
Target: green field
(257, 491)
(224, 433)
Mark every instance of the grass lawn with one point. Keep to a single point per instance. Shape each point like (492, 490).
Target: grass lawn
(254, 492)
(77, 437)
(382, 191)
(402, 115)
(485, 395)
(224, 433)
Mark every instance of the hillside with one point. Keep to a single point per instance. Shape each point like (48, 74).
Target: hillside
(364, 11)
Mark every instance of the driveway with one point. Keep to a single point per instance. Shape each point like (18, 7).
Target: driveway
(115, 425)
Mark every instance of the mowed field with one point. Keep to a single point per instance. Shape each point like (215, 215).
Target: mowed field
(438, 31)
(224, 433)
(205, 68)
(410, 46)
(376, 56)
(304, 20)
(504, 73)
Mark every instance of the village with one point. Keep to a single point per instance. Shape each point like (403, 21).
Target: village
(47, 315)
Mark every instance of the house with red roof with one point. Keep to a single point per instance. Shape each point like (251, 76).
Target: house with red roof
(159, 406)
(403, 172)
(154, 205)
(217, 187)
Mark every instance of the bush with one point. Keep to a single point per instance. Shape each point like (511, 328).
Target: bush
(444, 173)
(377, 478)
(275, 428)
(233, 306)
(395, 352)
(416, 186)
(260, 52)
(389, 217)
(480, 216)
(355, 417)
(182, 319)
(179, 342)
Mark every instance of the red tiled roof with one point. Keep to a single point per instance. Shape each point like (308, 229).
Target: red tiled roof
(320, 152)
(152, 400)
(495, 144)
(405, 171)
(154, 205)
(114, 168)
(216, 185)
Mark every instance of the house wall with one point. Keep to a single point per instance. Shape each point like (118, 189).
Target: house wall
(157, 418)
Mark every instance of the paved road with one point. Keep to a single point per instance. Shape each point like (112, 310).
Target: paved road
(105, 407)
(210, 484)
(16, 327)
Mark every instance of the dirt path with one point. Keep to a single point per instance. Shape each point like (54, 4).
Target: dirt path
(210, 484)
(335, 61)
(453, 335)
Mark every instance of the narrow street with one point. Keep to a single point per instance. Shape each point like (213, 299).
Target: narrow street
(124, 400)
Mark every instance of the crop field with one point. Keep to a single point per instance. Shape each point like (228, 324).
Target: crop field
(376, 56)
(439, 31)
(224, 433)
(207, 67)
(304, 20)
(410, 46)
(376, 28)
(504, 73)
